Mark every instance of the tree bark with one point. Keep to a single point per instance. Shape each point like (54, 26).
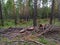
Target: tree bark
(52, 12)
(1, 16)
(14, 11)
(35, 14)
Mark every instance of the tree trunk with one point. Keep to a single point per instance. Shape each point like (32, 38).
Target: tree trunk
(52, 12)
(35, 14)
(1, 16)
(58, 1)
(14, 11)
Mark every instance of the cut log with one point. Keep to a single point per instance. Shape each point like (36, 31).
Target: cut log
(22, 31)
(30, 29)
(25, 29)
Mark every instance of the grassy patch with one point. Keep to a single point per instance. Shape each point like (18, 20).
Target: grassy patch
(10, 23)
(43, 40)
(4, 39)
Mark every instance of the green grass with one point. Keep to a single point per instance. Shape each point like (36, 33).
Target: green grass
(10, 23)
(20, 24)
(3, 39)
(43, 40)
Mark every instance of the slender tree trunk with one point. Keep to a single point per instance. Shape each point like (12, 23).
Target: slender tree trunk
(58, 9)
(1, 16)
(35, 14)
(52, 12)
(14, 11)
(27, 9)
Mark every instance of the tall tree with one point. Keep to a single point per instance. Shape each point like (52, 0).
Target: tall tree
(14, 13)
(44, 6)
(35, 14)
(9, 6)
(1, 16)
(26, 10)
(52, 12)
(58, 1)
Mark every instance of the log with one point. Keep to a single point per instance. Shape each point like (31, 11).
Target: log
(30, 29)
(36, 42)
(46, 30)
(23, 30)
(27, 29)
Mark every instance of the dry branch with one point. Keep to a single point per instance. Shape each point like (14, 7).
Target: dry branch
(46, 30)
(24, 41)
(27, 29)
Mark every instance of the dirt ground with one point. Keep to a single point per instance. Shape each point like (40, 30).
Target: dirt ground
(53, 36)
(12, 33)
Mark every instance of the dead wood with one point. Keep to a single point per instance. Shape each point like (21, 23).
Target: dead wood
(24, 41)
(27, 29)
(46, 30)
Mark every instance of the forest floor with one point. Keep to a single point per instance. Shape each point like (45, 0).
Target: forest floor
(13, 34)
(10, 23)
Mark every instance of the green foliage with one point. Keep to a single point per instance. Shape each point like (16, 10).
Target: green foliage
(8, 8)
(10, 23)
(43, 40)
(44, 12)
(44, 1)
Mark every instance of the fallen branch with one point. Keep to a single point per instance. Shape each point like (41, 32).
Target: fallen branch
(24, 41)
(38, 43)
(46, 30)
(27, 29)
